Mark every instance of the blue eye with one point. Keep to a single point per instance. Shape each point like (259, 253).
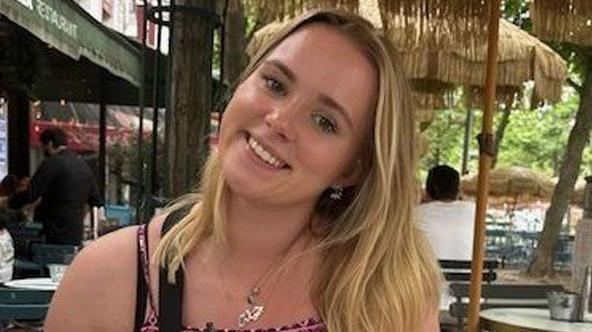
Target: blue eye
(325, 124)
(274, 85)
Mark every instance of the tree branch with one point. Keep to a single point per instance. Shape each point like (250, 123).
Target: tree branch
(574, 85)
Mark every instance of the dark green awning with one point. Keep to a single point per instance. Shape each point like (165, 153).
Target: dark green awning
(68, 28)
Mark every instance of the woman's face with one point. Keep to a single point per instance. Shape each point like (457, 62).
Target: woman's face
(295, 126)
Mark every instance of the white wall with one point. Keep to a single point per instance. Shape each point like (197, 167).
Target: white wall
(123, 18)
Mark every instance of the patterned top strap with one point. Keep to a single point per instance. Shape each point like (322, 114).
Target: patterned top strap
(151, 322)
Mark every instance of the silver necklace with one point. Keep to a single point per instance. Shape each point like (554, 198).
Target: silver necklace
(255, 308)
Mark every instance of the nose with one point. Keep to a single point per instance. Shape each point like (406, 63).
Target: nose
(281, 121)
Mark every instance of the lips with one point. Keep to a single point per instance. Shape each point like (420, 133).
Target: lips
(265, 155)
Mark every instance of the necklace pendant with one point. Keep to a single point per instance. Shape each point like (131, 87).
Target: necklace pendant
(250, 315)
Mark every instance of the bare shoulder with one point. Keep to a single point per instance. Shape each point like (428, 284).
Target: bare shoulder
(98, 291)
(432, 322)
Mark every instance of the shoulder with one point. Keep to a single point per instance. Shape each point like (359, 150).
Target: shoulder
(99, 288)
(425, 208)
(467, 205)
(99, 280)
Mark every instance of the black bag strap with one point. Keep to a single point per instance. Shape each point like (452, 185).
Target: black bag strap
(171, 295)
(141, 287)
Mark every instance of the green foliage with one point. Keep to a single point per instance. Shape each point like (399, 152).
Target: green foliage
(535, 139)
(445, 139)
(517, 12)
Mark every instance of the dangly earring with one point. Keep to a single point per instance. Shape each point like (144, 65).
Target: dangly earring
(336, 192)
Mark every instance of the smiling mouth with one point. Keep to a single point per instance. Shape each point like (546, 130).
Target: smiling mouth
(265, 155)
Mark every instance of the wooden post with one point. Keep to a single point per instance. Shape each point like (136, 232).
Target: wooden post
(484, 166)
(102, 176)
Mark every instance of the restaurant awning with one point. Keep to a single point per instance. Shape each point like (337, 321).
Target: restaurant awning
(68, 28)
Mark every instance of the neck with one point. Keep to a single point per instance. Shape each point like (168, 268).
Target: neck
(259, 235)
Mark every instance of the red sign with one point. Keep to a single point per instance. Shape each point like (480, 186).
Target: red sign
(82, 138)
(108, 8)
(150, 27)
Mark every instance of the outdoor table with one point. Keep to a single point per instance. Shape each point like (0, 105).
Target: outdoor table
(42, 284)
(528, 320)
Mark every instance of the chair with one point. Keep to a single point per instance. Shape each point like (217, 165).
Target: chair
(23, 304)
(500, 296)
(26, 269)
(44, 254)
(23, 236)
(460, 270)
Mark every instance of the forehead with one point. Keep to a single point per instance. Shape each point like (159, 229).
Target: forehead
(326, 61)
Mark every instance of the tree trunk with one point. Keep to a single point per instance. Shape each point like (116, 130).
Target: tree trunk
(188, 120)
(501, 130)
(464, 168)
(543, 258)
(235, 42)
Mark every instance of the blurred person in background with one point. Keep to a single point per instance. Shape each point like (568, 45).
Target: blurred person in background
(64, 184)
(447, 221)
(8, 186)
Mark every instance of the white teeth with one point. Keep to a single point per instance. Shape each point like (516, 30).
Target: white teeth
(264, 154)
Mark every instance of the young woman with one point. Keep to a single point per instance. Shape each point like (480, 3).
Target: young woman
(304, 220)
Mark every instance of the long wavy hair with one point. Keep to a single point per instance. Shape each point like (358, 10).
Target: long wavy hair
(377, 272)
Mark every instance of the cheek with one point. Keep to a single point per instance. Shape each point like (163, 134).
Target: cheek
(245, 105)
(236, 115)
(325, 160)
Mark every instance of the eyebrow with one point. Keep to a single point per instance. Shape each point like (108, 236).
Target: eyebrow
(328, 101)
(285, 70)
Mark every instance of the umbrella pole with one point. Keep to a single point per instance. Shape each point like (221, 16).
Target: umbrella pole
(485, 154)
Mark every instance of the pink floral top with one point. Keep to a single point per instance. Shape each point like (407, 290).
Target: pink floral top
(151, 321)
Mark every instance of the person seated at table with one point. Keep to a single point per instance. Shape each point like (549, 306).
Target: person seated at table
(447, 221)
(305, 218)
(8, 186)
(448, 224)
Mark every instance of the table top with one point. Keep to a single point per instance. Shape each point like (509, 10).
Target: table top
(44, 284)
(533, 319)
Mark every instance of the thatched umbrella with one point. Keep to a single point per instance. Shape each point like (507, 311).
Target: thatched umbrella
(566, 20)
(519, 185)
(578, 194)
(516, 183)
(465, 19)
(522, 57)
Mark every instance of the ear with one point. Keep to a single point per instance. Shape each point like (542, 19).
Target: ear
(352, 175)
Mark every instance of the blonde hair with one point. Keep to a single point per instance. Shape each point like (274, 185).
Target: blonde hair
(377, 271)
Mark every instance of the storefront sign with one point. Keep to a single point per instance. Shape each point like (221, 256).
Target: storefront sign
(67, 27)
(58, 20)
(26, 3)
